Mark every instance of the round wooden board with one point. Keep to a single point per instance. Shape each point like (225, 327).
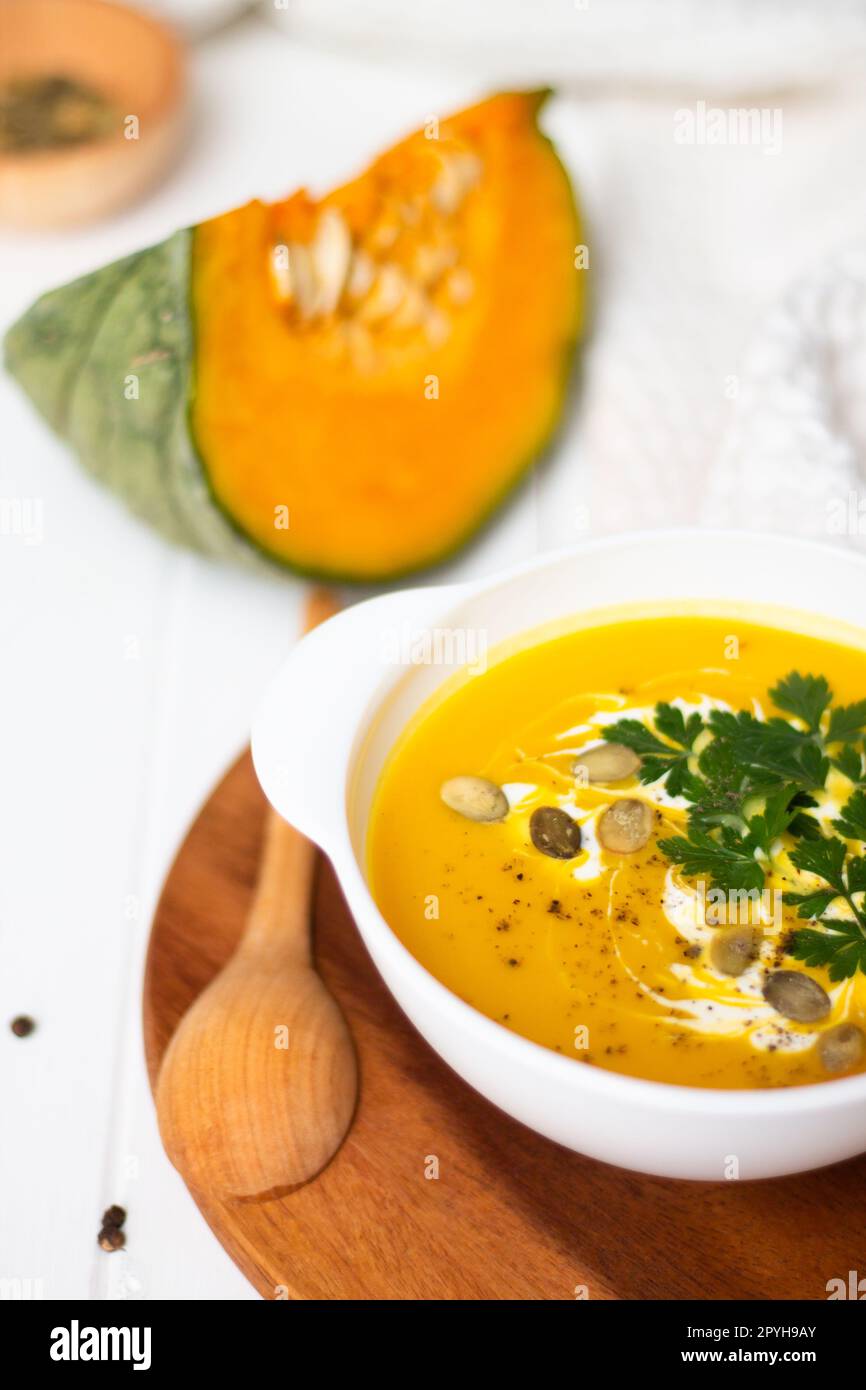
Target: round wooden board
(510, 1214)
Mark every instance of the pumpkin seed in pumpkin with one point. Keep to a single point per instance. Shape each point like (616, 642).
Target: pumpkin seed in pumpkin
(386, 296)
(459, 286)
(734, 948)
(625, 826)
(362, 273)
(796, 996)
(554, 833)
(413, 310)
(459, 173)
(609, 762)
(476, 798)
(842, 1047)
(331, 253)
(304, 284)
(281, 274)
(436, 326)
(429, 263)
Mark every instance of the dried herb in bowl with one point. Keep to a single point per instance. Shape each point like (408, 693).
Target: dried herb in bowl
(50, 111)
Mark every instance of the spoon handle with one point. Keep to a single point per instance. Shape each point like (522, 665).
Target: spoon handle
(280, 914)
(279, 918)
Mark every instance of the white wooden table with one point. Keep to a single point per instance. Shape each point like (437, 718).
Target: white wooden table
(130, 670)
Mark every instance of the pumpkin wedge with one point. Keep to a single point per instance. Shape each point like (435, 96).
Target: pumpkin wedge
(346, 386)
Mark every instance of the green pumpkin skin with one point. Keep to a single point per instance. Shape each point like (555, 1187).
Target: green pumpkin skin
(107, 361)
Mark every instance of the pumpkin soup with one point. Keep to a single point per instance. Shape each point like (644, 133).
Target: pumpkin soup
(641, 844)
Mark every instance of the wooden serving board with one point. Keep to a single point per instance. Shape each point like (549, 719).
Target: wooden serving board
(510, 1215)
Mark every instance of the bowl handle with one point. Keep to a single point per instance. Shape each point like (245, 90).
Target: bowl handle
(305, 727)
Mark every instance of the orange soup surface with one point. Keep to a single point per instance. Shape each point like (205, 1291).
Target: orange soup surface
(608, 956)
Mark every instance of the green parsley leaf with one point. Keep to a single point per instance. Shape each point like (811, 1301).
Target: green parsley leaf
(850, 762)
(856, 874)
(825, 858)
(812, 904)
(807, 697)
(804, 827)
(852, 822)
(728, 861)
(840, 946)
(775, 818)
(847, 722)
(671, 722)
(770, 749)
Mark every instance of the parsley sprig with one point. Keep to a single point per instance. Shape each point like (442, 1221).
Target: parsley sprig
(841, 944)
(750, 781)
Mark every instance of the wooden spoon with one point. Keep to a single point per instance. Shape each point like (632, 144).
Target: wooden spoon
(259, 1082)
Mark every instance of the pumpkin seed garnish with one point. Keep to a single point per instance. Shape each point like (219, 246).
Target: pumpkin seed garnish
(733, 949)
(554, 833)
(476, 798)
(626, 826)
(796, 996)
(841, 1047)
(610, 762)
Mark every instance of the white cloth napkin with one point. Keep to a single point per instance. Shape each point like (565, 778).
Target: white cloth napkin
(730, 45)
(792, 458)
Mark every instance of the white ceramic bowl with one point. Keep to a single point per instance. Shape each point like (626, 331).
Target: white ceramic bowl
(322, 735)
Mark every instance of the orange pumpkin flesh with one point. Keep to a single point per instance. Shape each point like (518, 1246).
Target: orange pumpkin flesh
(374, 371)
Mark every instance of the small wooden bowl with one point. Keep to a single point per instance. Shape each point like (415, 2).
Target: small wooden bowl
(132, 60)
